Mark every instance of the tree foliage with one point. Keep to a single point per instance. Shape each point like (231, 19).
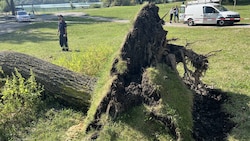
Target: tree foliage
(108, 3)
(19, 2)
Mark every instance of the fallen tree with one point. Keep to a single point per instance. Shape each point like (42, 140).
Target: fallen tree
(67, 86)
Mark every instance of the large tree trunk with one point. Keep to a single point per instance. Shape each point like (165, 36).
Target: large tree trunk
(69, 87)
(11, 4)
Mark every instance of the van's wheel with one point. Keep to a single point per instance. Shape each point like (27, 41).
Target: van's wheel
(221, 22)
(190, 22)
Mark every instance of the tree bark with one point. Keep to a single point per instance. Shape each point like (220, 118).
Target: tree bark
(11, 4)
(67, 86)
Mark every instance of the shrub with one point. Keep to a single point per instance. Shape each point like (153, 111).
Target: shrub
(19, 102)
(95, 6)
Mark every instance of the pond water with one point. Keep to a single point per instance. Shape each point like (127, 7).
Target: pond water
(42, 7)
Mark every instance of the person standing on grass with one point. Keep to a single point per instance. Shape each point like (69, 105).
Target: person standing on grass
(176, 13)
(172, 12)
(62, 30)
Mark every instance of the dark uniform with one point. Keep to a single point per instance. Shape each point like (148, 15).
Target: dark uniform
(62, 29)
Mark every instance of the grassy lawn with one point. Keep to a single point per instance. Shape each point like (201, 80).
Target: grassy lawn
(93, 45)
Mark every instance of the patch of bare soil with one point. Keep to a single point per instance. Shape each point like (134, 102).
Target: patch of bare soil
(211, 123)
(146, 46)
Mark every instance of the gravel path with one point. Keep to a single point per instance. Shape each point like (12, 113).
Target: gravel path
(9, 25)
(236, 25)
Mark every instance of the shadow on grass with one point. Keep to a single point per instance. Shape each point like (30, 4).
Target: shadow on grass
(31, 33)
(84, 19)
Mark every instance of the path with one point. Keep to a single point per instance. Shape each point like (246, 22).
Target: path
(236, 25)
(8, 26)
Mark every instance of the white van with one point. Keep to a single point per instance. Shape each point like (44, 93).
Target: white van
(208, 13)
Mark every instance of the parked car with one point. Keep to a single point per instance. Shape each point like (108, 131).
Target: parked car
(32, 15)
(22, 16)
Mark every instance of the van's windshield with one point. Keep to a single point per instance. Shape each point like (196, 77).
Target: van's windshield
(220, 8)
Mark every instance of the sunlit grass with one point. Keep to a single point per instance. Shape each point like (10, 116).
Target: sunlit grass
(243, 10)
(175, 97)
(230, 65)
(131, 126)
(90, 44)
(124, 12)
(55, 125)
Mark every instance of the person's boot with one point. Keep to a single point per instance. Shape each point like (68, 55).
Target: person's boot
(62, 48)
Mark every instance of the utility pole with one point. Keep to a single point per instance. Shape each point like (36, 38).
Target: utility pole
(12, 6)
(33, 11)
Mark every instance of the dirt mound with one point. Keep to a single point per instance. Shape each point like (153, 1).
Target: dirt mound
(146, 46)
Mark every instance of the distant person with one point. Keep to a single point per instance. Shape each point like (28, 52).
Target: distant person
(62, 30)
(172, 11)
(176, 13)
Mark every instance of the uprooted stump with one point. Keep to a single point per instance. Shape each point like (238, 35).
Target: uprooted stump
(142, 48)
(65, 85)
(146, 46)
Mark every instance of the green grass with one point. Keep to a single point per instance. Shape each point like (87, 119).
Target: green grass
(176, 98)
(93, 46)
(230, 66)
(57, 124)
(124, 12)
(244, 11)
(130, 126)
(90, 44)
(70, 20)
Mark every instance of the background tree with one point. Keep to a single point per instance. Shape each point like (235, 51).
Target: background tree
(11, 6)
